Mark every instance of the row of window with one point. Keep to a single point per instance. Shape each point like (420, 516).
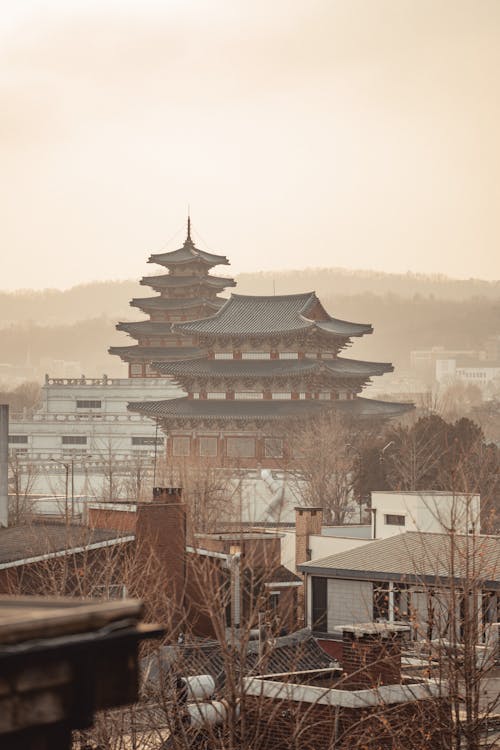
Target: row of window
(82, 440)
(235, 447)
(275, 395)
(267, 355)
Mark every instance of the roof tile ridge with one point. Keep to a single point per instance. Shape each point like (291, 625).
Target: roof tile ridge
(272, 296)
(187, 323)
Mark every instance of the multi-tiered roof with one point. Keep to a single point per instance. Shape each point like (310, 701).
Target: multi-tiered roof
(186, 292)
(266, 359)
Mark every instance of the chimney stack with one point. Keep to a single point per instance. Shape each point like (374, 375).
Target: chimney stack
(371, 653)
(307, 521)
(161, 541)
(4, 465)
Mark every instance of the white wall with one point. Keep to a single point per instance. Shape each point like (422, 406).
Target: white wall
(434, 512)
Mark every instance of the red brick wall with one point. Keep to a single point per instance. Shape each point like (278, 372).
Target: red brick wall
(119, 520)
(269, 724)
(371, 660)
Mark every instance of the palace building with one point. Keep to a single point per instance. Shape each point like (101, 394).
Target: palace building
(262, 364)
(186, 292)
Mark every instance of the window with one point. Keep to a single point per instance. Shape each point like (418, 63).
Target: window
(208, 446)
(181, 446)
(273, 447)
(135, 370)
(216, 394)
(324, 395)
(223, 355)
(302, 396)
(151, 371)
(18, 438)
(319, 604)
(281, 395)
(255, 355)
(88, 404)
(242, 395)
(240, 447)
(288, 355)
(391, 519)
(74, 440)
(147, 441)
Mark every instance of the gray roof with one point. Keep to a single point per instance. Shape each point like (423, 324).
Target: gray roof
(187, 254)
(32, 540)
(168, 303)
(251, 315)
(151, 353)
(166, 280)
(234, 368)
(264, 410)
(145, 328)
(412, 557)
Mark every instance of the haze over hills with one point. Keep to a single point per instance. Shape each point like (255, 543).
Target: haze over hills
(407, 311)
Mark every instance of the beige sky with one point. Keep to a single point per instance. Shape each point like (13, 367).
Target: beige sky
(355, 133)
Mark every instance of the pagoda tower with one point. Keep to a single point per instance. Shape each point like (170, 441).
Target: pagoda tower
(186, 292)
(263, 364)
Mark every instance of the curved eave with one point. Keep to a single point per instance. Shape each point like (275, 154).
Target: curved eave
(265, 411)
(149, 353)
(234, 369)
(189, 253)
(165, 281)
(145, 328)
(168, 304)
(249, 316)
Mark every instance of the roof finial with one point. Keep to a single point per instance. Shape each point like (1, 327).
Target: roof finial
(189, 226)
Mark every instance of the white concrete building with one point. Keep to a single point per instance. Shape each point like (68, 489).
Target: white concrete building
(83, 424)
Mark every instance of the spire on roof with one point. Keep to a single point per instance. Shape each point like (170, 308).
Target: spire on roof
(188, 238)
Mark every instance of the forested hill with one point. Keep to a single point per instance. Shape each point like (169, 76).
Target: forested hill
(110, 298)
(407, 312)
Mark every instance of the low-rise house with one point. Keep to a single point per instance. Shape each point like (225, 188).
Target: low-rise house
(417, 577)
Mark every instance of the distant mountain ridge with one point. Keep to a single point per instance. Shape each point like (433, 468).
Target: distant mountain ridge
(111, 298)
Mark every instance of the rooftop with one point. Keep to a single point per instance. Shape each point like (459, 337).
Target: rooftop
(166, 280)
(168, 303)
(151, 353)
(258, 315)
(233, 368)
(264, 410)
(187, 254)
(415, 557)
(19, 543)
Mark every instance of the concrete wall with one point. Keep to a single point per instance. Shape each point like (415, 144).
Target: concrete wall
(426, 512)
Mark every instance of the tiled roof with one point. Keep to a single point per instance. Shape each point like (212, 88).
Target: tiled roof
(145, 327)
(186, 254)
(234, 368)
(295, 652)
(415, 556)
(263, 410)
(32, 540)
(248, 315)
(166, 280)
(151, 353)
(166, 303)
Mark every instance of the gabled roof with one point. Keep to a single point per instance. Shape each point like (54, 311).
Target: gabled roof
(234, 368)
(264, 410)
(414, 556)
(247, 315)
(171, 303)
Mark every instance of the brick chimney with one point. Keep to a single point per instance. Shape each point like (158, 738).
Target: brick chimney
(371, 654)
(307, 521)
(161, 540)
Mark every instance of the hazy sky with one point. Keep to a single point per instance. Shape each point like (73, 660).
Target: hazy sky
(356, 133)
